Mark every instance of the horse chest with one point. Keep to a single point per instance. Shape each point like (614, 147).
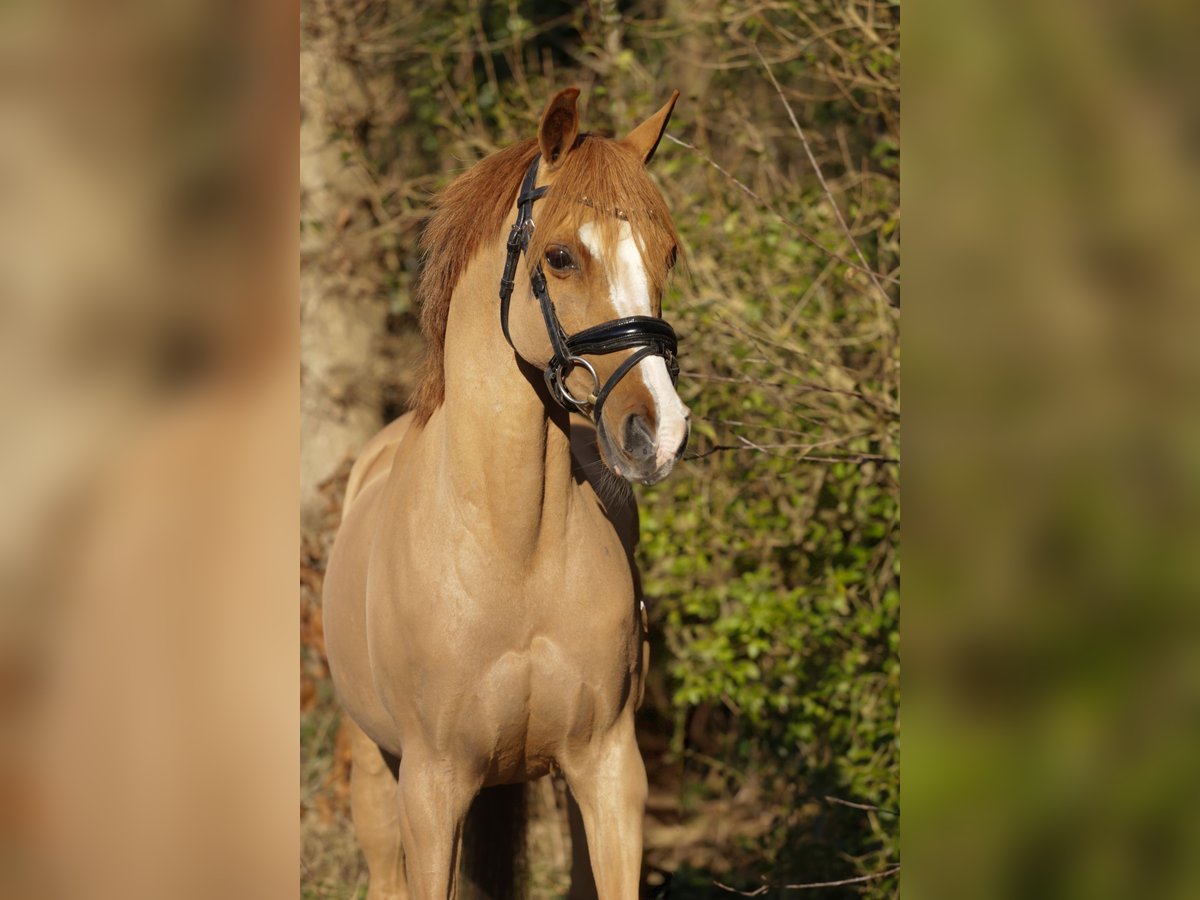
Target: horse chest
(514, 662)
(479, 613)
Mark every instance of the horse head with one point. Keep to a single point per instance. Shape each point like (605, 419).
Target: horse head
(599, 247)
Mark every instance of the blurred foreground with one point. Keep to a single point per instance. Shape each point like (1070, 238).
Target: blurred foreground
(148, 281)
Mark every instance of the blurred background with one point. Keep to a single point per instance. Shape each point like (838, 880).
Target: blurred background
(149, 413)
(1052, 672)
(771, 722)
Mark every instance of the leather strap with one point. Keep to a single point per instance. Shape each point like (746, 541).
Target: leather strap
(518, 241)
(621, 334)
(622, 370)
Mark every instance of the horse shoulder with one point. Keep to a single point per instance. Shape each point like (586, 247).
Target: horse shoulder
(375, 460)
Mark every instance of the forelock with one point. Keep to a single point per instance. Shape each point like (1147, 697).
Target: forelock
(605, 183)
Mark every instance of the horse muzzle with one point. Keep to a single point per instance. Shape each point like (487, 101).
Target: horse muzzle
(642, 453)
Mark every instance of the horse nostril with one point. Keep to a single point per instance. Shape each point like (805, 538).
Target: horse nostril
(639, 439)
(687, 430)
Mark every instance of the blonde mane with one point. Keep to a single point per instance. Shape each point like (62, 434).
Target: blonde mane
(600, 180)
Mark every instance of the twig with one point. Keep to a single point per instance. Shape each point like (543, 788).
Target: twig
(715, 763)
(766, 204)
(855, 458)
(865, 806)
(821, 178)
(809, 887)
(802, 388)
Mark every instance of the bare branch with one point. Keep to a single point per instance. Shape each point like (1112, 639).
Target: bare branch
(770, 450)
(767, 205)
(864, 806)
(809, 887)
(821, 178)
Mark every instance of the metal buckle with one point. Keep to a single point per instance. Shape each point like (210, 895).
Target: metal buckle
(518, 235)
(558, 385)
(672, 362)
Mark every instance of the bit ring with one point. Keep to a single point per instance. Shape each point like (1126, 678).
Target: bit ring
(561, 386)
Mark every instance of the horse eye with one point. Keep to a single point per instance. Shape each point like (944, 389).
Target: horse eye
(559, 258)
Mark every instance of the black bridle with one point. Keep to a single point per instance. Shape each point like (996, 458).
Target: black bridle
(651, 335)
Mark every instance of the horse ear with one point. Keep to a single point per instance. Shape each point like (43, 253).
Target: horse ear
(644, 139)
(560, 125)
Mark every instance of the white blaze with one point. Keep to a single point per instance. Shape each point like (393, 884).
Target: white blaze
(630, 294)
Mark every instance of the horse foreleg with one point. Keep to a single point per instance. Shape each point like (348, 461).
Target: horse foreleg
(433, 801)
(376, 821)
(609, 784)
(583, 885)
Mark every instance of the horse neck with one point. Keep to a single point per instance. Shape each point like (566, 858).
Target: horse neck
(507, 455)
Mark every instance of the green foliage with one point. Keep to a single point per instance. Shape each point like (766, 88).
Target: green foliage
(772, 566)
(775, 580)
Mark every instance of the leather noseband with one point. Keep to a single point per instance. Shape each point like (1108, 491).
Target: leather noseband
(651, 336)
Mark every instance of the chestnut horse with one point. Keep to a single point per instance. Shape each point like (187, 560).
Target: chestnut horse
(481, 601)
